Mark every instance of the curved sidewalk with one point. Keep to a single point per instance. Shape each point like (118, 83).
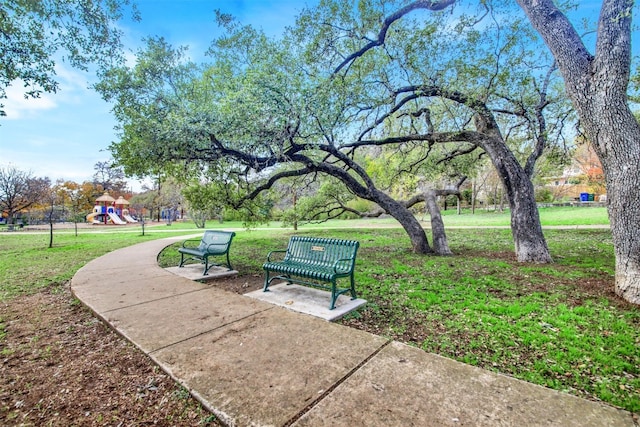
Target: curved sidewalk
(253, 363)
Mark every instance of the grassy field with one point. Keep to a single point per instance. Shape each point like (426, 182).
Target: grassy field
(557, 325)
(557, 216)
(549, 217)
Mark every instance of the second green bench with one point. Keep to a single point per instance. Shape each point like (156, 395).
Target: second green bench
(213, 243)
(316, 262)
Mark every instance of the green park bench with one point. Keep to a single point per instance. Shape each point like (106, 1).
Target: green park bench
(213, 243)
(314, 261)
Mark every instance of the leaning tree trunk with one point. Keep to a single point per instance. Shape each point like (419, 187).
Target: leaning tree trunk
(440, 244)
(419, 241)
(526, 229)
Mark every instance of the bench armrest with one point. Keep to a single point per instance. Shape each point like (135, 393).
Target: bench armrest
(190, 243)
(274, 252)
(216, 245)
(337, 263)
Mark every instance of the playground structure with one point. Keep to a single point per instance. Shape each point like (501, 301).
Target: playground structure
(110, 211)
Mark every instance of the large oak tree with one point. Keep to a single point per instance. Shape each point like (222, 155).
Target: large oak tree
(477, 80)
(264, 103)
(597, 84)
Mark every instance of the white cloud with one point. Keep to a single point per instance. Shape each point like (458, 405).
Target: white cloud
(73, 87)
(18, 107)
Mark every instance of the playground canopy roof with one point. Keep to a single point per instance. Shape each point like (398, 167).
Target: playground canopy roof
(105, 198)
(122, 201)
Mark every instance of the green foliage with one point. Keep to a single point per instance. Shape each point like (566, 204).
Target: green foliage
(204, 201)
(544, 195)
(259, 96)
(34, 34)
(416, 112)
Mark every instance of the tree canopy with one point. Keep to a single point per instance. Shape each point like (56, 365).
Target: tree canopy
(36, 35)
(439, 85)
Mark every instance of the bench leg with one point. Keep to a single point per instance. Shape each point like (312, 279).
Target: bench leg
(206, 266)
(334, 295)
(181, 260)
(267, 282)
(229, 262)
(353, 287)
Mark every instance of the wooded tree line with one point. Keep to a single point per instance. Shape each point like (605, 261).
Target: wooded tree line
(427, 87)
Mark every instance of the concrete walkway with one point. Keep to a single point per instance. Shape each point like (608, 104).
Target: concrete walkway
(256, 364)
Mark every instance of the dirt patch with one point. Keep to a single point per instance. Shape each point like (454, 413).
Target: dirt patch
(240, 284)
(61, 366)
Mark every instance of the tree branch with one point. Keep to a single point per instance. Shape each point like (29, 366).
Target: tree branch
(471, 137)
(561, 38)
(389, 20)
(270, 183)
(541, 137)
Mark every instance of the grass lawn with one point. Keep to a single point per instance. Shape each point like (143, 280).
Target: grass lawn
(556, 216)
(557, 325)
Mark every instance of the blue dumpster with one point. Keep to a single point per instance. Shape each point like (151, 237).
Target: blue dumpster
(584, 197)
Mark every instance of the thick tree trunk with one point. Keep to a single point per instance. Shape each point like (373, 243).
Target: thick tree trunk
(440, 244)
(419, 241)
(530, 244)
(623, 196)
(615, 132)
(597, 86)
(526, 229)
(396, 209)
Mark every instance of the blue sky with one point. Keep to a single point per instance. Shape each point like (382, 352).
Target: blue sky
(63, 135)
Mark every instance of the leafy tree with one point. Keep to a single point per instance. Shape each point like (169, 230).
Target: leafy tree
(203, 202)
(449, 80)
(79, 199)
(264, 103)
(237, 123)
(597, 84)
(20, 190)
(34, 34)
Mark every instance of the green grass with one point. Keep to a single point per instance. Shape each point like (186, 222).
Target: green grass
(557, 216)
(27, 264)
(557, 325)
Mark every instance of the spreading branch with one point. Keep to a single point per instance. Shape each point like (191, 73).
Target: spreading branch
(386, 24)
